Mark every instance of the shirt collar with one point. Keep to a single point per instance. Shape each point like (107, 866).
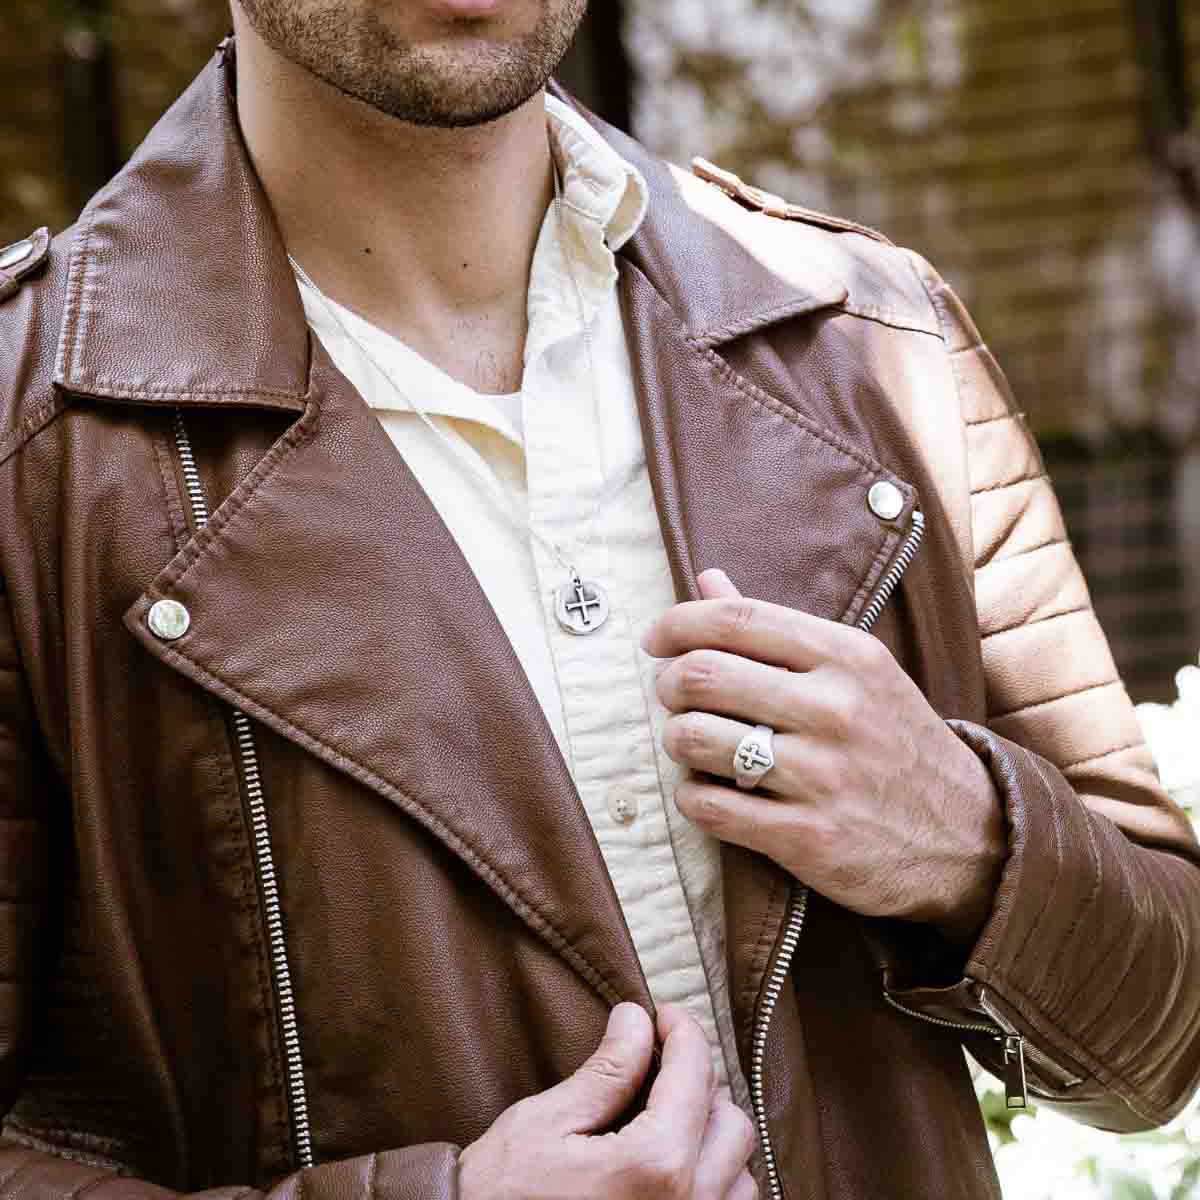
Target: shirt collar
(598, 183)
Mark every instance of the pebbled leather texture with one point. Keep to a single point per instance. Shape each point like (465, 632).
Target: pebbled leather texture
(453, 939)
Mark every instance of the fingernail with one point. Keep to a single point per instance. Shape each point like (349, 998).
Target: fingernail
(624, 1021)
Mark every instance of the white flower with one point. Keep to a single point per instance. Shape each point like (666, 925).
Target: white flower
(1173, 734)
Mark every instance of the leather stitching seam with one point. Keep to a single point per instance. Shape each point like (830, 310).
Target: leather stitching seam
(31, 425)
(1021, 553)
(1093, 860)
(72, 312)
(763, 399)
(113, 388)
(890, 317)
(1091, 687)
(1008, 416)
(1030, 622)
(747, 322)
(239, 502)
(1105, 754)
(999, 487)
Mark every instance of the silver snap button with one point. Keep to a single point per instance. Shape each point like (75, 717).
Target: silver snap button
(168, 619)
(886, 500)
(18, 252)
(622, 806)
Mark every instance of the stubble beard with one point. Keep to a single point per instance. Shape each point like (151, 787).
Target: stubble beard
(356, 52)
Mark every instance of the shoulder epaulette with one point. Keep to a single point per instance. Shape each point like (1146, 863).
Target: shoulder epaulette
(757, 200)
(21, 259)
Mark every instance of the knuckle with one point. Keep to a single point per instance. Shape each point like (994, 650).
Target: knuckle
(668, 1172)
(865, 650)
(702, 806)
(606, 1065)
(684, 736)
(734, 617)
(698, 672)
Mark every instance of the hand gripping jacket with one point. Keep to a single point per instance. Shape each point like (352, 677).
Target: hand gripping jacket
(256, 937)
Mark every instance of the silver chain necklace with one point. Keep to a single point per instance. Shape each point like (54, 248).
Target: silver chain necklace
(580, 605)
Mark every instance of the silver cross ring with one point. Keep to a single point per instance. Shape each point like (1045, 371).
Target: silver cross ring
(754, 756)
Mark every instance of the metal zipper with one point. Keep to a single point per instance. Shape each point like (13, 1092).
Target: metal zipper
(903, 561)
(264, 861)
(1016, 1089)
(799, 898)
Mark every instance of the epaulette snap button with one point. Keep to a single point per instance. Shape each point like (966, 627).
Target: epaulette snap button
(885, 500)
(168, 619)
(18, 252)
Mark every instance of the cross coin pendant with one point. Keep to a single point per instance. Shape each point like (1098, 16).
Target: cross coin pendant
(581, 605)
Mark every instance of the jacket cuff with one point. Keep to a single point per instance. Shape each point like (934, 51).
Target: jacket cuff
(428, 1171)
(1087, 951)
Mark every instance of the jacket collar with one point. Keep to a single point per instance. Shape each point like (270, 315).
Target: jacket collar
(211, 260)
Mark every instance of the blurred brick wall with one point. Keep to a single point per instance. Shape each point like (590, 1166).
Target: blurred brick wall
(1004, 140)
(158, 45)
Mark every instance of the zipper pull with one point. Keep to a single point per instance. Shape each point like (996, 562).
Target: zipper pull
(1016, 1092)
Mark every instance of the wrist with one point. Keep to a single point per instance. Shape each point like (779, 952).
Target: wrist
(970, 891)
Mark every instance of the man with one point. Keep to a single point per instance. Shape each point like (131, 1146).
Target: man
(531, 673)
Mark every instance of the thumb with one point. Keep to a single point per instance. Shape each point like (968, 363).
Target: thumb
(604, 1086)
(716, 585)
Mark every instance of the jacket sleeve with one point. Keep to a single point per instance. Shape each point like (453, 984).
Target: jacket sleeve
(425, 1172)
(1091, 951)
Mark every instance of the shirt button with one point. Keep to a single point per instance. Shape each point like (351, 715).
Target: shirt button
(622, 806)
(168, 619)
(885, 500)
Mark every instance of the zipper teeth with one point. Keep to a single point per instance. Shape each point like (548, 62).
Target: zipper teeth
(264, 860)
(191, 476)
(966, 1026)
(892, 578)
(758, 1047)
(795, 924)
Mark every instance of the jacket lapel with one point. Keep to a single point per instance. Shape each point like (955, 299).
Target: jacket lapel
(327, 598)
(329, 601)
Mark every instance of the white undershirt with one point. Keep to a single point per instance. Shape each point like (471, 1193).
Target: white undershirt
(543, 448)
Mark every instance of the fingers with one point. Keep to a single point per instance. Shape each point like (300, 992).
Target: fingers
(719, 682)
(606, 1084)
(732, 815)
(769, 633)
(707, 743)
(729, 1140)
(715, 584)
(681, 1095)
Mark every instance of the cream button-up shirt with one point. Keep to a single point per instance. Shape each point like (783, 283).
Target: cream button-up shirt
(570, 436)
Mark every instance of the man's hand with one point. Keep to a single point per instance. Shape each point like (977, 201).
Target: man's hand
(873, 799)
(688, 1143)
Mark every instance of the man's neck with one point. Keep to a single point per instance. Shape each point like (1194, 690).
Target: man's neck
(427, 233)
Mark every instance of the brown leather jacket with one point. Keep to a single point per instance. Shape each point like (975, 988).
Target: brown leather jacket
(302, 899)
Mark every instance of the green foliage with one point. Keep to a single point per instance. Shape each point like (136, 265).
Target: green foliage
(999, 1117)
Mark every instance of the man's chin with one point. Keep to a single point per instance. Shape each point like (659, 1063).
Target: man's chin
(453, 106)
